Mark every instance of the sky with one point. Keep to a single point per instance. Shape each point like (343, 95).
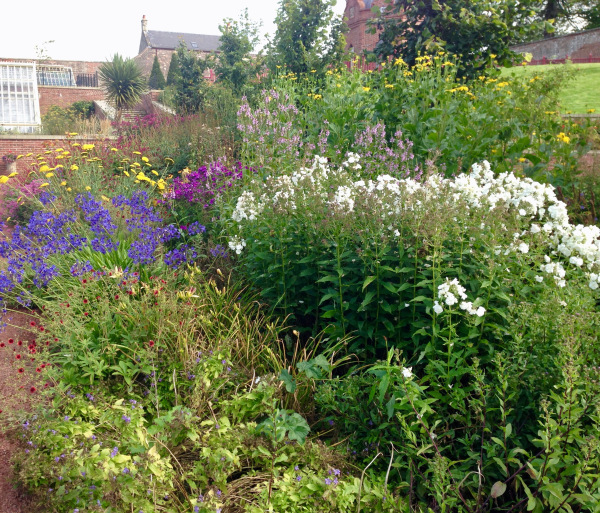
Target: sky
(95, 31)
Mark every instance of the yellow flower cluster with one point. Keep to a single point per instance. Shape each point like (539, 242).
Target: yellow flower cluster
(563, 137)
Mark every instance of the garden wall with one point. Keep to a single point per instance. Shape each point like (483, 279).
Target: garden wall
(35, 144)
(581, 45)
(65, 96)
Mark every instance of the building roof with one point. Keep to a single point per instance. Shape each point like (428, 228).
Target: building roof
(171, 40)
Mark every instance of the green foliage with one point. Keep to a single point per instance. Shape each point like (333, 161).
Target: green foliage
(308, 37)
(235, 65)
(511, 122)
(577, 97)
(190, 85)
(83, 109)
(123, 82)
(58, 120)
(475, 32)
(173, 72)
(516, 430)
(157, 79)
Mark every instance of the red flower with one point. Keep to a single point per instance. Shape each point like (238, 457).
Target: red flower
(151, 343)
(32, 390)
(21, 370)
(42, 328)
(2, 344)
(85, 301)
(18, 357)
(32, 323)
(84, 281)
(116, 296)
(38, 370)
(11, 341)
(20, 343)
(86, 314)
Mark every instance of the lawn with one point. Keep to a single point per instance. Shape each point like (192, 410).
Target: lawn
(581, 95)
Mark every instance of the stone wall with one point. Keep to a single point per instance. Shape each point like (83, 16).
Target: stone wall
(576, 46)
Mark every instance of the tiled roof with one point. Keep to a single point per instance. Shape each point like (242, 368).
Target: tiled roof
(171, 40)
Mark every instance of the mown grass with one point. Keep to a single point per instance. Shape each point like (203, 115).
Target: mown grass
(582, 94)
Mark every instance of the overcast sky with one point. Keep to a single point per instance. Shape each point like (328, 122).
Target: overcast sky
(94, 31)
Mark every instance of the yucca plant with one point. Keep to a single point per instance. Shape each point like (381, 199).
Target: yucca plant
(123, 82)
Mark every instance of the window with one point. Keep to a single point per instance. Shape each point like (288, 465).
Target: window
(194, 45)
(19, 102)
(351, 12)
(55, 76)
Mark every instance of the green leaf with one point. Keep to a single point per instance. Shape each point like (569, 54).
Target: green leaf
(370, 279)
(288, 380)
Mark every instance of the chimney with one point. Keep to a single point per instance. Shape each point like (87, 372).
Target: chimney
(144, 24)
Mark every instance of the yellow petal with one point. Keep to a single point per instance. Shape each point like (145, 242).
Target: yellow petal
(45, 184)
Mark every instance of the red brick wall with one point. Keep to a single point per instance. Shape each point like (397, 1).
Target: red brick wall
(35, 144)
(358, 40)
(579, 45)
(65, 96)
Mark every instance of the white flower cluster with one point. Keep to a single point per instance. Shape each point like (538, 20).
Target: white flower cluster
(449, 292)
(352, 161)
(543, 217)
(237, 244)
(247, 208)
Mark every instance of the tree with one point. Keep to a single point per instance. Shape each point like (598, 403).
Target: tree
(476, 32)
(557, 17)
(235, 65)
(123, 83)
(190, 86)
(173, 72)
(157, 79)
(308, 36)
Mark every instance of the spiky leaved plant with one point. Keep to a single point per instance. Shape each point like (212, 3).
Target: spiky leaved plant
(123, 82)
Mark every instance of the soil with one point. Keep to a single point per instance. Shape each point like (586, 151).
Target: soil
(15, 397)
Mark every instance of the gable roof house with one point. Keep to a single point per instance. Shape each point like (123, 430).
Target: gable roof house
(163, 44)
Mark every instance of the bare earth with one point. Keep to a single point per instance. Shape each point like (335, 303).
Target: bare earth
(14, 397)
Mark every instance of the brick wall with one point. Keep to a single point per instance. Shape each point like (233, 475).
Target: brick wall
(579, 45)
(65, 96)
(357, 14)
(35, 144)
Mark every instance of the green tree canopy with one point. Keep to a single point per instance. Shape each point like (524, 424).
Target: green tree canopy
(157, 79)
(308, 36)
(173, 72)
(123, 82)
(236, 65)
(477, 32)
(190, 86)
